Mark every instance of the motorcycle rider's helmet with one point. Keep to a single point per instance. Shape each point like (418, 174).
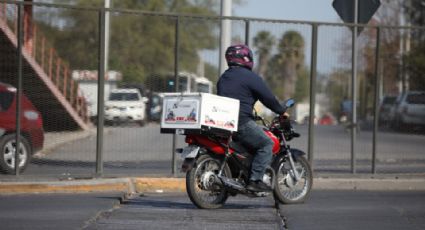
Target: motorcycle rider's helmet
(239, 55)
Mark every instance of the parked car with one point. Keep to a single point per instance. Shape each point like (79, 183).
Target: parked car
(327, 119)
(410, 109)
(125, 105)
(386, 110)
(32, 132)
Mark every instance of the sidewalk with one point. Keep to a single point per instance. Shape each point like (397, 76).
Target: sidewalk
(159, 185)
(53, 140)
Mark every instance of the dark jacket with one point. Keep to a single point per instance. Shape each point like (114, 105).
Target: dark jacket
(246, 86)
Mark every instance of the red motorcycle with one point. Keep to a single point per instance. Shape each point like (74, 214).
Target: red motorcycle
(217, 166)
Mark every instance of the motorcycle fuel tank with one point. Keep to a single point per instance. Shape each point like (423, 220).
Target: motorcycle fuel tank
(276, 142)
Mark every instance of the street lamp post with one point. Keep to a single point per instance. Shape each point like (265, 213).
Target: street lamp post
(225, 32)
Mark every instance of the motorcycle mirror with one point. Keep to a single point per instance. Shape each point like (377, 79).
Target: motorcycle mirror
(289, 103)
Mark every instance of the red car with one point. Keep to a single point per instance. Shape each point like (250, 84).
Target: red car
(32, 132)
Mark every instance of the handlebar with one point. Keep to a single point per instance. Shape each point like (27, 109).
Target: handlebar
(281, 123)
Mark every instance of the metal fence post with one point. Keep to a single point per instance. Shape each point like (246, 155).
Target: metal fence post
(100, 95)
(354, 90)
(19, 89)
(313, 73)
(176, 85)
(247, 27)
(376, 102)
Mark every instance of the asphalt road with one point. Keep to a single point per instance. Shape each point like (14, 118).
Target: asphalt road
(174, 211)
(353, 210)
(54, 211)
(325, 209)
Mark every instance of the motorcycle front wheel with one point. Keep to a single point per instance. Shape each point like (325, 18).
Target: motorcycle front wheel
(288, 190)
(201, 183)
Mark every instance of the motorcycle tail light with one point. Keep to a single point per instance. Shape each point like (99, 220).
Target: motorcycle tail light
(189, 140)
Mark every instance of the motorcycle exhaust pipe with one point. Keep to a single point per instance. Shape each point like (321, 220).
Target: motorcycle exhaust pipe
(232, 184)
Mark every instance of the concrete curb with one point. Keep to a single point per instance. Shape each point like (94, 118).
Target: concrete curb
(369, 184)
(80, 186)
(159, 185)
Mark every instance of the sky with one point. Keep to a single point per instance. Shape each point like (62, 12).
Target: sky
(303, 10)
(299, 10)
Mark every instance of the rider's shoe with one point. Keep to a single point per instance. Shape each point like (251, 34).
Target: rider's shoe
(258, 186)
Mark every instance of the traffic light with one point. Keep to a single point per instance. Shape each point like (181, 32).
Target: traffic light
(170, 85)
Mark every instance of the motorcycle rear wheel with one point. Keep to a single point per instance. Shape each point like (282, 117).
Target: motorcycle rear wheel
(287, 191)
(200, 186)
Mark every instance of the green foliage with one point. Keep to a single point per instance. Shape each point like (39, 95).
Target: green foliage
(415, 12)
(291, 47)
(416, 67)
(140, 45)
(286, 73)
(274, 78)
(263, 42)
(302, 85)
(337, 88)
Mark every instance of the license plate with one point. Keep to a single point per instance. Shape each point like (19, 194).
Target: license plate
(190, 152)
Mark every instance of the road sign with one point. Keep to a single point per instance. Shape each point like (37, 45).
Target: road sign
(366, 9)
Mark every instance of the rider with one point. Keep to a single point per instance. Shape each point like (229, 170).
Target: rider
(240, 82)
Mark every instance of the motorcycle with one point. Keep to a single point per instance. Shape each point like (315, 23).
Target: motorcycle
(217, 166)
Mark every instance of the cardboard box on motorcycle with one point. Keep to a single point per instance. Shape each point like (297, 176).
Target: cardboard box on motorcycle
(182, 112)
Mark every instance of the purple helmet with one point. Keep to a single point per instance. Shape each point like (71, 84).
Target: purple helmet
(239, 55)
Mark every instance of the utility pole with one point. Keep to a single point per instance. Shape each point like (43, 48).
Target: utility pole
(354, 89)
(103, 62)
(107, 27)
(225, 32)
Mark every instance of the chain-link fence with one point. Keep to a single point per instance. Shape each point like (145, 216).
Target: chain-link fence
(71, 128)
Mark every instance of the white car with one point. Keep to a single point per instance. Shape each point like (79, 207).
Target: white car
(125, 105)
(410, 109)
(387, 110)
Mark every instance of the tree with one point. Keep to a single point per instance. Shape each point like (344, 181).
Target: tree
(264, 42)
(415, 15)
(388, 15)
(287, 62)
(140, 45)
(415, 60)
(302, 85)
(337, 88)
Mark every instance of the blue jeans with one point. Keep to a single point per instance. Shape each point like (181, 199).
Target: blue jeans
(252, 136)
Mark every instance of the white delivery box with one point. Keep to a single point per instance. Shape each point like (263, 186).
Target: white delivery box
(189, 111)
